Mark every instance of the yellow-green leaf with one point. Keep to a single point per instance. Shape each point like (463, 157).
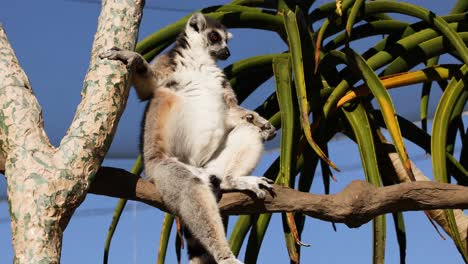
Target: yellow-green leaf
(456, 90)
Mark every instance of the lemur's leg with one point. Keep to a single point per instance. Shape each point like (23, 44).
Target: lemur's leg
(190, 197)
(144, 78)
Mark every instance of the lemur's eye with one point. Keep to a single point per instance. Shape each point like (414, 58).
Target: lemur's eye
(249, 118)
(214, 36)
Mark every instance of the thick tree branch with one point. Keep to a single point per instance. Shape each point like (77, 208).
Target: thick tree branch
(46, 184)
(356, 205)
(105, 90)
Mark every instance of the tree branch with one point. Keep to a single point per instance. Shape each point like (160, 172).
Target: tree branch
(105, 90)
(354, 206)
(46, 184)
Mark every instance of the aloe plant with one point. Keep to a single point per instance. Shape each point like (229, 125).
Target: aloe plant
(314, 100)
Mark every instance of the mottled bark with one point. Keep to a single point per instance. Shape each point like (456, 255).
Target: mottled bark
(46, 184)
(354, 206)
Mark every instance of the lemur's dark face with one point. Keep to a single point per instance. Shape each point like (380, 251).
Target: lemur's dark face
(211, 33)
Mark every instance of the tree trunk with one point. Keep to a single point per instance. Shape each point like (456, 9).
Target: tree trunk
(46, 184)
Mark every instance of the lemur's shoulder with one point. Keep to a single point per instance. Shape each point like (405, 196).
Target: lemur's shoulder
(162, 67)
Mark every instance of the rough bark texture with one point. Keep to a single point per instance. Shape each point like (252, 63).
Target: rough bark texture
(356, 205)
(46, 184)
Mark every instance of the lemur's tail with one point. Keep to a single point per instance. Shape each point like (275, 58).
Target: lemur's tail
(196, 251)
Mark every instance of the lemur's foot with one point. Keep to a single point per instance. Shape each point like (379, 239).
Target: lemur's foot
(230, 261)
(251, 183)
(128, 57)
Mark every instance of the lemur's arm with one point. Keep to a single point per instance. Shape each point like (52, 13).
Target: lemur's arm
(146, 78)
(237, 115)
(242, 152)
(230, 96)
(149, 76)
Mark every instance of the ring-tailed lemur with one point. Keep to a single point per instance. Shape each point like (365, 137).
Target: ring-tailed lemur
(195, 136)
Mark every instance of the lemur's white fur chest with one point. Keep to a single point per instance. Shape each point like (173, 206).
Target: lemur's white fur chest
(201, 123)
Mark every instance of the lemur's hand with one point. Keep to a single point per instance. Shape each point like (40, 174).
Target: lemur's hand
(128, 57)
(257, 185)
(268, 132)
(266, 129)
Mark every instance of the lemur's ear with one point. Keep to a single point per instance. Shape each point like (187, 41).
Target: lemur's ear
(197, 21)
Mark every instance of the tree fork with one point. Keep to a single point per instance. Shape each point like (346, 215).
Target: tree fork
(46, 184)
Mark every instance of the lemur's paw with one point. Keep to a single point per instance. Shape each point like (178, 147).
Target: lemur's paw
(126, 56)
(268, 133)
(253, 184)
(230, 261)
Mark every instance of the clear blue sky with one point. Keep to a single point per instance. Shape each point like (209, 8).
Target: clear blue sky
(52, 40)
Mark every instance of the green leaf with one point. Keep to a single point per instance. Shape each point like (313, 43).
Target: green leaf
(416, 135)
(281, 69)
(247, 74)
(136, 169)
(429, 17)
(425, 93)
(245, 222)
(230, 16)
(380, 27)
(325, 30)
(289, 132)
(385, 103)
(400, 231)
(164, 238)
(359, 4)
(361, 127)
(378, 235)
(425, 40)
(239, 232)
(256, 238)
(291, 245)
(456, 90)
(460, 7)
(294, 41)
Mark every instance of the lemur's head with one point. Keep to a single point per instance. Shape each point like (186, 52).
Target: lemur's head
(209, 33)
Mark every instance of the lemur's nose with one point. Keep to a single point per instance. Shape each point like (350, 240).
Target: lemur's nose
(223, 54)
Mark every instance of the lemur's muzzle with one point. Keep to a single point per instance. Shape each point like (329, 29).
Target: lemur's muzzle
(223, 54)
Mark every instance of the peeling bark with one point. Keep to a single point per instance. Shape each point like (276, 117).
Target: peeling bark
(354, 206)
(46, 184)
